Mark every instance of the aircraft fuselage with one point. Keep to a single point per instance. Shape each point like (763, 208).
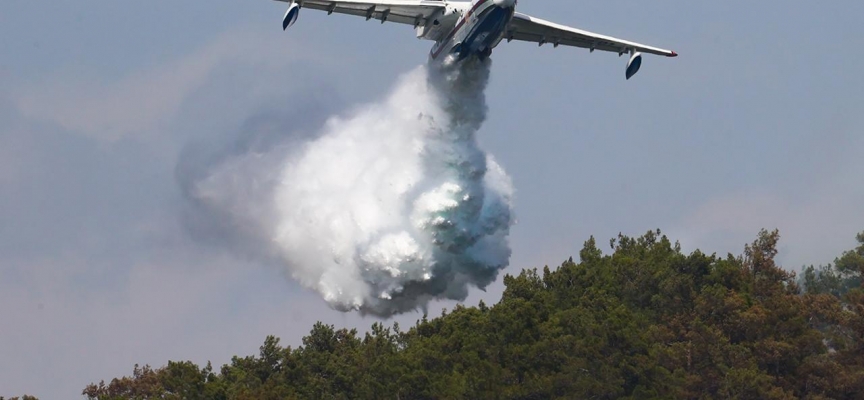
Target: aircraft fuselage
(472, 28)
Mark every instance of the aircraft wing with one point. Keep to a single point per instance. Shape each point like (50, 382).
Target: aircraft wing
(411, 12)
(527, 28)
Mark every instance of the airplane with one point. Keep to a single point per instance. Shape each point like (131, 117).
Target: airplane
(464, 28)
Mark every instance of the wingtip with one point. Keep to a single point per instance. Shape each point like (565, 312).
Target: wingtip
(673, 54)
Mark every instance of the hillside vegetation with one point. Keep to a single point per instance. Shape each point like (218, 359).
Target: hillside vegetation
(646, 321)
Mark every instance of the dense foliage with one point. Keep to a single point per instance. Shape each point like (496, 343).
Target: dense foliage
(645, 322)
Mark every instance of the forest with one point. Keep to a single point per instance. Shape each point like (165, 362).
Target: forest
(643, 322)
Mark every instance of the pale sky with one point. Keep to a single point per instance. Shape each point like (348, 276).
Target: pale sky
(757, 124)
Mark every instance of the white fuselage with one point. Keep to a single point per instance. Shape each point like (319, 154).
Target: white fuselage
(468, 28)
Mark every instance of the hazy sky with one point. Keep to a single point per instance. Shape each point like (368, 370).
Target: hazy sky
(756, 124)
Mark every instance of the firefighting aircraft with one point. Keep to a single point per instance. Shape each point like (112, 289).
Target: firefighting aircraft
(464, 28)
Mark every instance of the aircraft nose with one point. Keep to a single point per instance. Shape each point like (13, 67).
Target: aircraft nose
(504, 3)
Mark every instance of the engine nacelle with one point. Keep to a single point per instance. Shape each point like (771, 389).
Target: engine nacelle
(634, 64)
(290, 16)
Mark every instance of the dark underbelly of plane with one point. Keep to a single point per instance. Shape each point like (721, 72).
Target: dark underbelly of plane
(489, 31)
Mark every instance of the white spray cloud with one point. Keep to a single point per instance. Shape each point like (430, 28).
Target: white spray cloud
(388, 208)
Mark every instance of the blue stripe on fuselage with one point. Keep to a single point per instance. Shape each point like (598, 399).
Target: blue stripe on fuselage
(493, 22)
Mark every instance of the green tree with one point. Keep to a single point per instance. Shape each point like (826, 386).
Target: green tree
(644, 322)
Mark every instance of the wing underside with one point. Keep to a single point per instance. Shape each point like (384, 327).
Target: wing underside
(527, 28)
(411, 12)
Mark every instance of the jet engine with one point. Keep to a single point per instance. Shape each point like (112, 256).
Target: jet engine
(290, 16)
(634, 64)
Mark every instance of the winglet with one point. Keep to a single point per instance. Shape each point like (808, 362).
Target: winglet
(674, 54)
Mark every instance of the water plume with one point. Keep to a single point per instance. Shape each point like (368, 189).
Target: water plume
(388, 208)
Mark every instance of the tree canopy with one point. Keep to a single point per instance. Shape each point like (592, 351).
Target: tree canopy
(644, 322)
